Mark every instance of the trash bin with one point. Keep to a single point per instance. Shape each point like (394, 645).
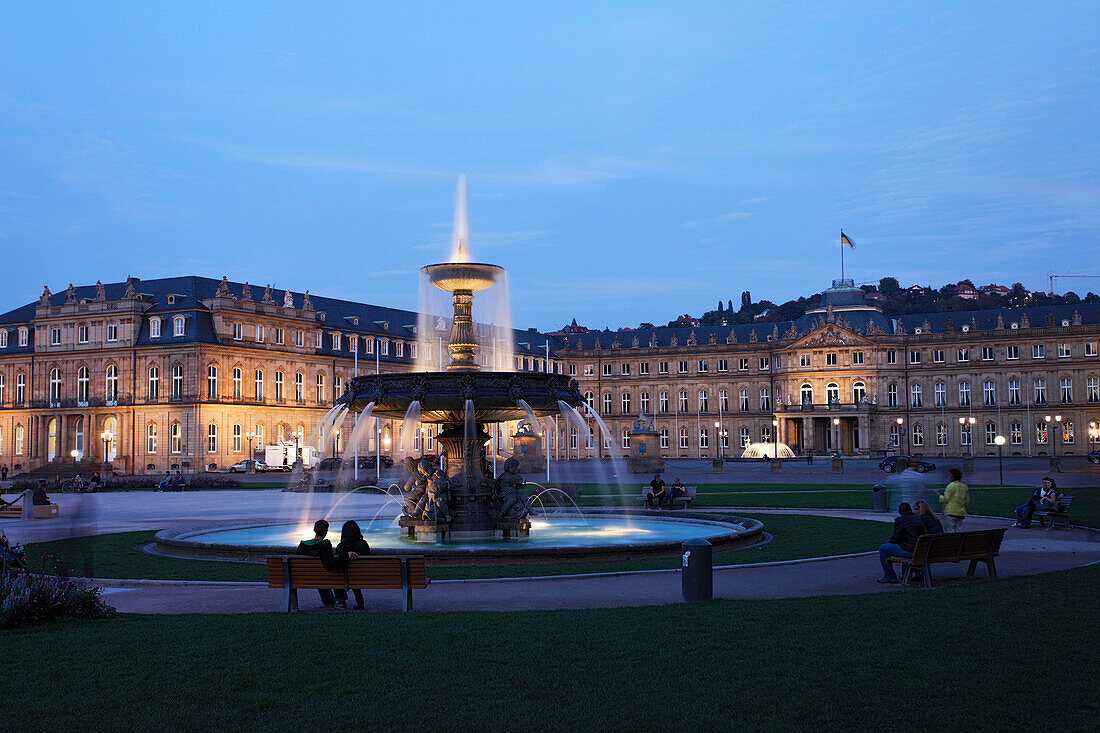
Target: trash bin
(698, 570)
(879, 502)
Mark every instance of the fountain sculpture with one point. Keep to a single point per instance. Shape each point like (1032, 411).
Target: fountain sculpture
(460, 498)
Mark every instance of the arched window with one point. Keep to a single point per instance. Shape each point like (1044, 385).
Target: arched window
(704, 438)
(278, 386)
(20, 388)
(111, 379)
(683, 437)
(941, 434)
(154, 383)
(918, 435)
(991, 433)
(78, 434)
(18, 440)
(177, 382)
(832, 393)
(211, 438)
(573, 437)
(55, 385)
(236, 438)
(280, 433)
(626, 438)
(859, 392)
(321, 397)
(259, 382)
(51, 439)
(238, 379)
(588, 397)
(212, 382)
(807, 392)
(110, 429)
(151, 438)
(664, 438)
(299, 383)
(82, 384)
(176, 438)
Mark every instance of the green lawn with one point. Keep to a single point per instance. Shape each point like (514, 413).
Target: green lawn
(962, 657)
(114, 556)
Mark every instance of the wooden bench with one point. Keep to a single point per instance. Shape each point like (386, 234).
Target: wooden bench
(45, 511)
(1062, 516)
(686, 497)
(978, 546)
(377, 572)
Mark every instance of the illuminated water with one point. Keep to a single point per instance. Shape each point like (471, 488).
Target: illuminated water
(546, 532)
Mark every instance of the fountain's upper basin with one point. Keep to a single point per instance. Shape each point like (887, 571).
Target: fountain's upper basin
(442, 395)
(452, 276)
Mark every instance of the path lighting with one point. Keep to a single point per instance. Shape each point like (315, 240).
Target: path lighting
(1056, 428)
(250, 435)
(836, 431)
(775, 437)
(74, 453)
(106, 436)
(718, 437)
(1000, 441)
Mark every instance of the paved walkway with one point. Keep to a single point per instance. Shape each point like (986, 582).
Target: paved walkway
(1023, 553)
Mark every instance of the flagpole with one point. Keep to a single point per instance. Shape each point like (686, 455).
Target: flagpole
(841, 255)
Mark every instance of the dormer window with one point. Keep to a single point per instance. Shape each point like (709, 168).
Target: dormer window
(3, 339)
(154, 328)
(335, 342)
(22, 337)
(179, 324)
(369, 343)
(400, 348)
(353, 343)
(171, 300)
(383, 347)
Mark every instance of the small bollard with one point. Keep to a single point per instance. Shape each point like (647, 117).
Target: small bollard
(1055, 464)
(717, 465)
(838, 465)
(879, 500)
(698, 570)
(968, 465)
(777, 465)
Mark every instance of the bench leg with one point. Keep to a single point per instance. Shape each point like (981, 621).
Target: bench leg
(970, 570)
(992, 567)
(291, 599)
(406, 587)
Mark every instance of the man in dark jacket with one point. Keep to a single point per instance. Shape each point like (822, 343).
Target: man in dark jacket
(321, 548)
(907, 528)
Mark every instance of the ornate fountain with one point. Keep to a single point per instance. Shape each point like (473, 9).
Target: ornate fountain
(461, 499)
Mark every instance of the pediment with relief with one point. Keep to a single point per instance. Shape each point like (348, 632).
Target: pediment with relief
(830, 335)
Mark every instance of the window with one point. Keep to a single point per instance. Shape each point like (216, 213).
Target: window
(1092, 390)
(723, 365)
(1065, 390)
(624, 368)
(807, 392)
(891, 357)
(154, 383)
(1040, 391)
(857, 358)
(963, 356)
(918, 435)
(335, 342)
(765, 400)
(55, 336)
(573, 370)
(607, 404)
(1067, 432)
(1015, 434)
(3, 338)
(892, 395)
(112, 334)
(399, 349)
(383, 347)
(643, 368)
(18, 440)
(1090, 346)
(278, 386)
(765, 363)
(965, 438)
(151, 438)
(683, 437)
(1014, 391)
(745, 438)
(1012, 352)
(743, 400)
(664, 438)
(940, 395)
(704, 438)
(175, 438)
(626, 403)
(703, 366)
(916, 397)
(662, 400)
(299, 338)
(238, 331)
(643, 400)
(626, 438)
(683, 367)
(743, 365)
(177, 382)
(1, 402)
(238, 383)
(212, 382)
(1041, 433)
(369, 345)
(830, 358)
(989, 394)
(259, 334)
(279, 337)
(20, 388)
(832, 393)
(1064, 351)
(179, 325)
(112, 383)
(154, 328)
(804, 360)
(964, 394)
(859, 392)
(1038, 351)
(55, 385)
(258, 385)
(723, 401)
(766, 434)
(299, 387)
(321, 389)
(704, 401)
(662, 367)
(987, 353)
(82, 334)
(941, 434)
(412, 355)
(990, 433)
(937, 356)
(683, 401)
(914, 357)
(236, 438)
(211, 438)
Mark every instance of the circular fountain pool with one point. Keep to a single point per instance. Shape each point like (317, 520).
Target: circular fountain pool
(557, 538)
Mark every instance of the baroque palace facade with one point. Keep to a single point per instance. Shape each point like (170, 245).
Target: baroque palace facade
(190, 373)
(846, 378)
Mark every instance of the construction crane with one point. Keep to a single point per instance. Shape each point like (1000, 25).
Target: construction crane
(1053, 277)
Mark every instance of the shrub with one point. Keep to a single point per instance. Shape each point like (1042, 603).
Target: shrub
(30, 598)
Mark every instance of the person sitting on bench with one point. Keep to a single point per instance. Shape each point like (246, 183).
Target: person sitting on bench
(352, 544)
(907, 528)
(656, 491)
(165, 482)
(1047, 498)
(38, 496)
(928, 519)
(676, 491)
(321, 548)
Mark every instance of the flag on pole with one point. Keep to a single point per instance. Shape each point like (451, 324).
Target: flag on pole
(845, 240)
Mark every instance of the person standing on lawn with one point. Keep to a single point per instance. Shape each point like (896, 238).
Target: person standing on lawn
(955, 498)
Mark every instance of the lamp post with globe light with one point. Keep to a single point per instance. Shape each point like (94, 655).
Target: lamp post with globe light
(1000, 441)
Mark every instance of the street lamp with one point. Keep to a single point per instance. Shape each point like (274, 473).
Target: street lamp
(775, 437)
(106, 436)
(1000, 441)
(836, 432)
(1056, 427)
(250, 435)
(335, 442)
(969, 432)
(718, 437)
(900, 421)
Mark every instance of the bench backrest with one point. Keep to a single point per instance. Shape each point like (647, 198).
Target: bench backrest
(374, 572)
(956, 546)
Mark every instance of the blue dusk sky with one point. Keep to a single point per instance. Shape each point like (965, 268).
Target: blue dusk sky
(627, 161)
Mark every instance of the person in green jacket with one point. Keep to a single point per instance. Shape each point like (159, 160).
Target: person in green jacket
(955, 499)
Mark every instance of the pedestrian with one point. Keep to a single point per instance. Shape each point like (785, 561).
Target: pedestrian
(955, 498)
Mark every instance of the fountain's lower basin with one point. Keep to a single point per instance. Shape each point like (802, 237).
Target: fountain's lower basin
(561, 538)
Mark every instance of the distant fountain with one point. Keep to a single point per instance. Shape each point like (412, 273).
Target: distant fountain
(767, 450)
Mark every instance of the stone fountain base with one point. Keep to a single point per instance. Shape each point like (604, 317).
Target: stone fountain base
(423, 530)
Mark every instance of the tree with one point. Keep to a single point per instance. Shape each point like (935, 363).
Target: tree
(719, 306)
(746, 299)
(729, 305)
(888, 285)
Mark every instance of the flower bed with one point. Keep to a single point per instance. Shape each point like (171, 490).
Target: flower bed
(30, 598)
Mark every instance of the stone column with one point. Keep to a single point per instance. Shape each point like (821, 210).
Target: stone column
(807, 433)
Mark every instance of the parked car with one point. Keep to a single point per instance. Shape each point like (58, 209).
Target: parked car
(242, 467)
(895, 463)
(330, 464)
(369, 461)
(1094, 456)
